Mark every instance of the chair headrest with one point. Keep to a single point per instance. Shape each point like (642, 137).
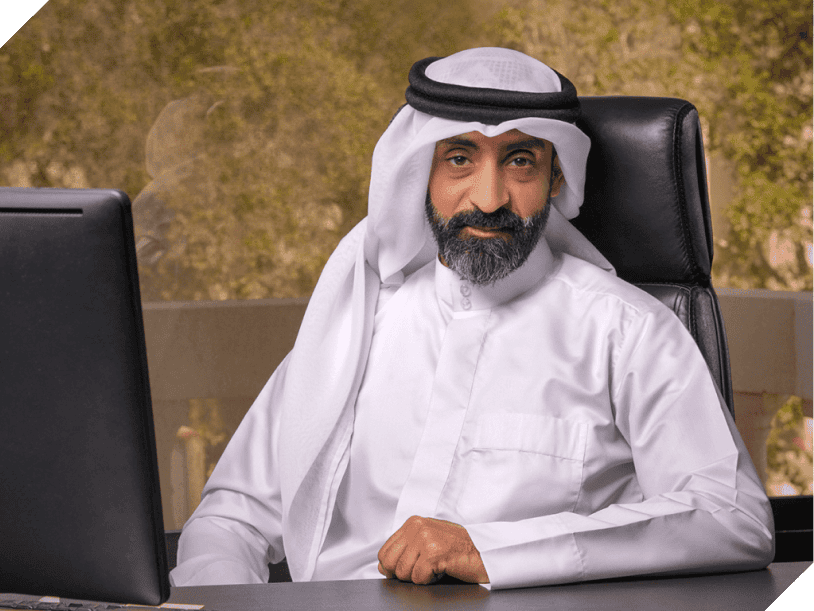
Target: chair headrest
(646, 204)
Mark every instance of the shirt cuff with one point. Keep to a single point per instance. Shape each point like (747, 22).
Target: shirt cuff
(203, 571)
(528, 553)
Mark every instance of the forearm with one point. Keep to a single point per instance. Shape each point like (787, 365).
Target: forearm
(683, 531)
(219, 551)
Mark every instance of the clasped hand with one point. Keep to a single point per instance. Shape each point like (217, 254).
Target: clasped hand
(425, 549)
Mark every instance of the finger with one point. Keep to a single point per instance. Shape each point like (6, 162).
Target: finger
(391, 541)
(423, 573)
(404, 566)
(386, 572)
(391, 552)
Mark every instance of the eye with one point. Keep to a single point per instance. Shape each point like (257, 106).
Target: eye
(458, 160)
(521, 162)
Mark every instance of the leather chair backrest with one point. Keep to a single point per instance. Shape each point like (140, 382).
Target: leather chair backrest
(647, 210)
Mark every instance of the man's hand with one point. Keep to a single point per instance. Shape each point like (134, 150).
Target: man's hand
(425, 549)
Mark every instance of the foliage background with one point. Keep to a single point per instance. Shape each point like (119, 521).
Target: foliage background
(788, 451)
(243, 129)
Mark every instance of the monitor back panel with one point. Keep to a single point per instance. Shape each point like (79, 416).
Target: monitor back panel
(80, 515)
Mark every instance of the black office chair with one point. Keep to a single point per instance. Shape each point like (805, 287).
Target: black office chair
(647, 210)
(171, 541)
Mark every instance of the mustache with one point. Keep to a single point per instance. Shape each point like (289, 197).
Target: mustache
(502, 219)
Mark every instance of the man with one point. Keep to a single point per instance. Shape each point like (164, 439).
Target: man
(473, 392)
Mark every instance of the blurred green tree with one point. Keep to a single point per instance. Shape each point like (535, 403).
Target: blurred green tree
(746, 65)
(788, 456)
(259, 120)
(243, 129)
(756, 59)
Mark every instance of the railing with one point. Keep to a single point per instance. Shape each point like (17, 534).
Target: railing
(209, 360)
(769, 334)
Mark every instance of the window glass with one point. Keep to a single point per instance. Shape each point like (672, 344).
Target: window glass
(243, 133)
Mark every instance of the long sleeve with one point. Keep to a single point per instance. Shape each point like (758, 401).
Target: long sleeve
(700, 503)
(236, 530)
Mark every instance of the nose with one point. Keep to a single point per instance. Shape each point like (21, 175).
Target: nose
(488, 193)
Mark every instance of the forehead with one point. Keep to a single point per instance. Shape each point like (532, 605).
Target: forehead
(475, 139)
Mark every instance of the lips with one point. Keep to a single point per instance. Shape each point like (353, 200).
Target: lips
(487, 231)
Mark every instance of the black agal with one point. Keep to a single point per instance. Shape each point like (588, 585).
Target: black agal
(489, 106)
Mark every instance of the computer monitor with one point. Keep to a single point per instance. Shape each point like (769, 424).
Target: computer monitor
(80, 515)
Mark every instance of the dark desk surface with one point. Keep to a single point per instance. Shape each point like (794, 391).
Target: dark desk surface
(754, 590)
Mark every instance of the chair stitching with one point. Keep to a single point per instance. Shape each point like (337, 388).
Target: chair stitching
(693, 322)
(682, 196)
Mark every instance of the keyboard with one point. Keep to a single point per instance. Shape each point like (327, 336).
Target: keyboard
(49, 603)
(59, 606)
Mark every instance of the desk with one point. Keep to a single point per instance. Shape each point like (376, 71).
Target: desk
(751, 591)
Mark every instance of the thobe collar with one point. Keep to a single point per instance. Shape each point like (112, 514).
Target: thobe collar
(461, 295)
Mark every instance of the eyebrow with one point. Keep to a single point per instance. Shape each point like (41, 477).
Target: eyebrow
(530, 143)
(459, 142)
(525, 144)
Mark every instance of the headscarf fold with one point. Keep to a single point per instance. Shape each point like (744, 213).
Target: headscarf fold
(330, 354)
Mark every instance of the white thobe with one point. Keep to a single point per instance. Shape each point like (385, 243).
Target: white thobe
(564, 417)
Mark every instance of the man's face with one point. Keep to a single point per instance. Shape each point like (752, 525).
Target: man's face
(487, 201)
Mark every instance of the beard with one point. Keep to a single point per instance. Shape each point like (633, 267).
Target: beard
(486, 260)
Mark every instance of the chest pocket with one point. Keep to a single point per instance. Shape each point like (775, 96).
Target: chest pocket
(520, 466)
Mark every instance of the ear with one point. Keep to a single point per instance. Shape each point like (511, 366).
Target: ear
(557, 177)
